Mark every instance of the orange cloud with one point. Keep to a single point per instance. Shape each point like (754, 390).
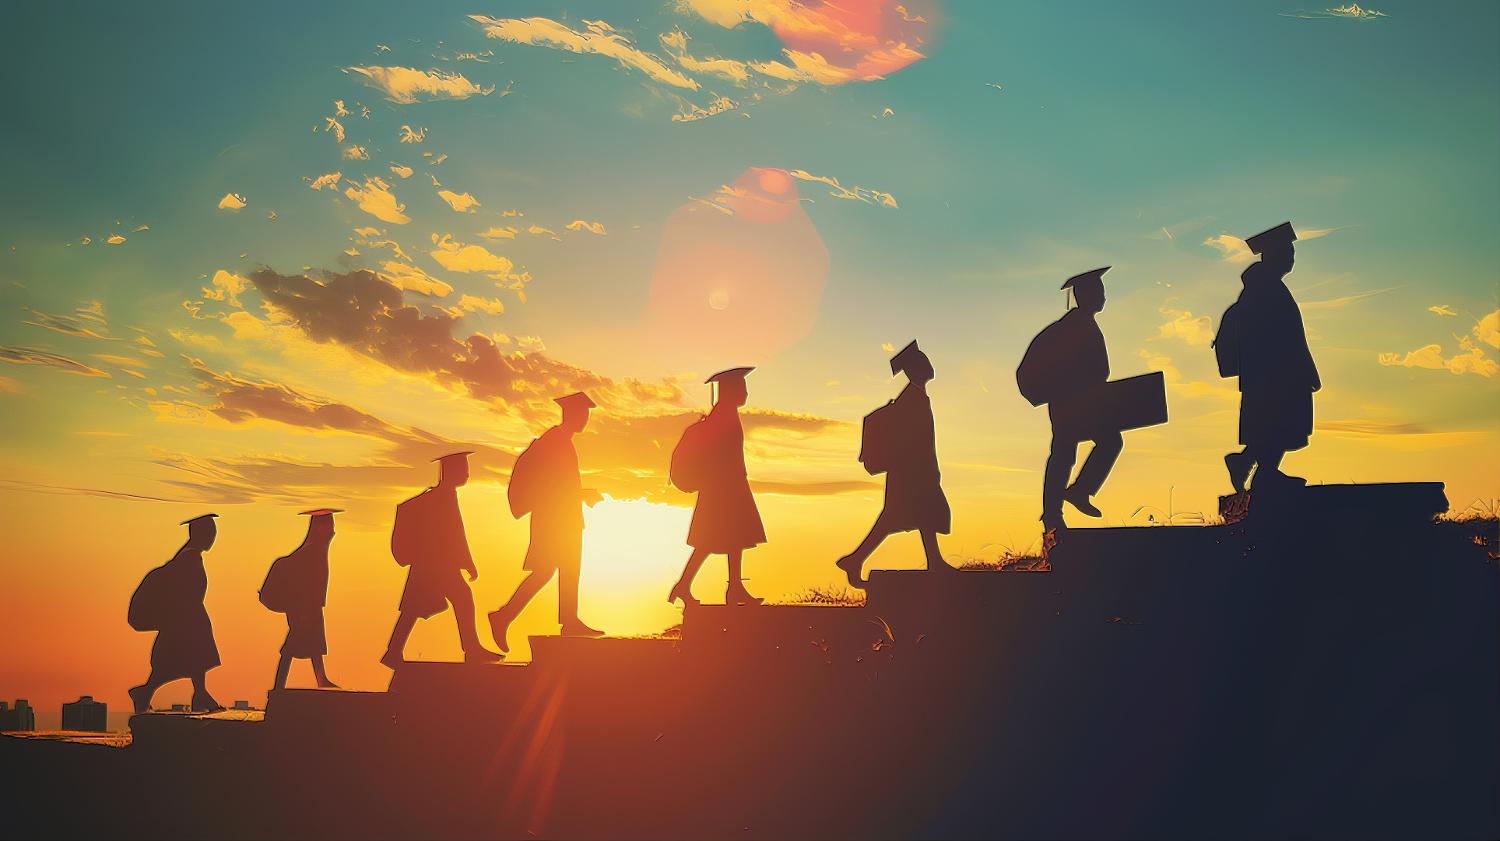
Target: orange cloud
(829, 43)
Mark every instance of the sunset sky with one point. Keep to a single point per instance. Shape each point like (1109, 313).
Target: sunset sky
(256, 259)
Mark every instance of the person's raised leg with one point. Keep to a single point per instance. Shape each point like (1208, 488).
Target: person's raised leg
(283, 666)
(501, 619)
(736, 593)
(462, 600)
(394, 650)
(1095, 470)
(853, 564)
(1060, 461)
(683, 589)
(321, 675)
(140, 696)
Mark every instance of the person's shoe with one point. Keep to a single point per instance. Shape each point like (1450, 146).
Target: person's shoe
(576, 628)
(205, 702)
(500, 626)
(1275, 480)
(683, 593)
(482, 655)
(1239, 466)
(852, 569)
(393, 660)
(325, 683)
(738, 595)
(1080, 501)
(140, 696)
(1052, 521)
(940, 568)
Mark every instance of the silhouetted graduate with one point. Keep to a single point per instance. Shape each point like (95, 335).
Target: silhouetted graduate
(710, 460)
(1262, 341)
(297, 585)
(169, 600)
(429, 537)
(900, 440)
(546, 484)
(1064, 367)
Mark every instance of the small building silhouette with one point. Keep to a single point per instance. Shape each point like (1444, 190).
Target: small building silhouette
(19, 717)
(242, 705)
(179, 708)
(86, 714)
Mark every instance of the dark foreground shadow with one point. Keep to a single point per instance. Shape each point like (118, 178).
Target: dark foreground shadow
(1240, 681)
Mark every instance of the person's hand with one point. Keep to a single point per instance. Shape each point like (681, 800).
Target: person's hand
(591, 497)
(472, 572)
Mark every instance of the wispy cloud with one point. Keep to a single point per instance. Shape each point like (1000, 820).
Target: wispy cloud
(32, 356)
(598, 38)
(1470, 359)
(581, 225)
(86, 322)
(824, 42)
(407, 85)
(1442, 309)
(410, 135)
(460, 202)
(1348, 11)
(413, 279)
(1182, 324)
(1344, 300)
(839, 191)
(330, 179)
(232, 201)
(376, 199)
(456, 256)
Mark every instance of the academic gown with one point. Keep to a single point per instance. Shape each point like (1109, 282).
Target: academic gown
(301, 583)
(1081, 366)
(184, 645)
(1276, 370)
(557, 518)
(725, 518)
(438, 571)
(914, 496)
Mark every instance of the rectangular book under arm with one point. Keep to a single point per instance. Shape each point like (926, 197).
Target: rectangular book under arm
(1135, 402)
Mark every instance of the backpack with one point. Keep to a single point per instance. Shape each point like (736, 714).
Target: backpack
(875, 439)
(1036, 376)
(271, 591)
(145, 612)
(689, 457)
(523, 489)
(1227, 343)
(406, 533)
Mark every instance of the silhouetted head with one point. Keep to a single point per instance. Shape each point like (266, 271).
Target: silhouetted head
(453, 469)
(731, 386)
(320, 524)
(1275, 248)
(575, 411)
(201, 532)
(1088, 289)
(914, 363)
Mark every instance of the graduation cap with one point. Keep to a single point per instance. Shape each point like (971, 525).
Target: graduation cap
(200, 517)
(1092, 276)
(729, 375)
(578, 400)
(321, 512)
(904, 358)
(1276, 239)
(463, 454)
